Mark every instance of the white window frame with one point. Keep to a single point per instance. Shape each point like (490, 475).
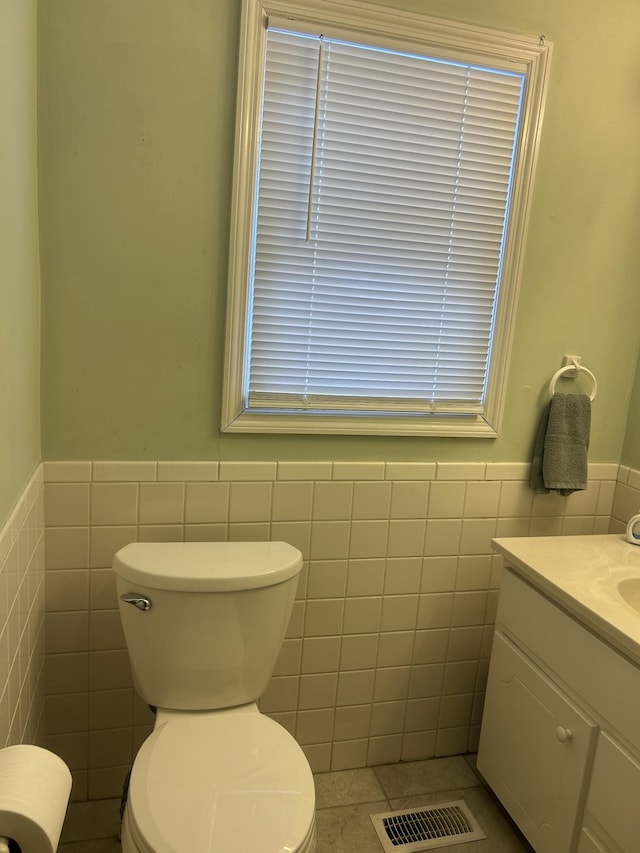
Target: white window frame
(437, 38)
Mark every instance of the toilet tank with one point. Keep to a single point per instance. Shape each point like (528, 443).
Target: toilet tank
(217, 617)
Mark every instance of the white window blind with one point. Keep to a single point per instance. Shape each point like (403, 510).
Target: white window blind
(382, 198)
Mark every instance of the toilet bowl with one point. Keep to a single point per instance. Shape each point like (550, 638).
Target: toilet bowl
(221, 781)
(204, 623)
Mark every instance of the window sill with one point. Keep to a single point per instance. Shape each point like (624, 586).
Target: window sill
(451, 426)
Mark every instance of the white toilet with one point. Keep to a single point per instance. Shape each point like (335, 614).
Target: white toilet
(204, 623)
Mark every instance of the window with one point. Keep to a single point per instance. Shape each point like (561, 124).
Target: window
(383, 170)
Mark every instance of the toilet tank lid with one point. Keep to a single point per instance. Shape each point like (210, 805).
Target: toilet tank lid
(207, 566)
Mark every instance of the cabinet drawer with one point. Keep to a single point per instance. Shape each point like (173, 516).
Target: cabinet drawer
(604, 680)
(613, 802)
(535, 749)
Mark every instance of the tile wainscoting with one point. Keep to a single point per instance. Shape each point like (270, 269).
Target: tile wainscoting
(22, 619)
(626, 498)
(387, 650)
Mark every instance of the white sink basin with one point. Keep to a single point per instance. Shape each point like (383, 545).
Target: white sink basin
(629, 589)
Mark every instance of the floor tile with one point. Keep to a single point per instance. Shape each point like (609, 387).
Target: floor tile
(423, 777)
(345, 799)
(103, 845)
(91, 819)
(344, 787)
(348, 829)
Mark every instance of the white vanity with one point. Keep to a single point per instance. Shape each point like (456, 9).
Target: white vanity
(560, 739)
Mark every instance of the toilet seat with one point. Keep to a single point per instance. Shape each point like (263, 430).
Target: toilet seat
(221, 781)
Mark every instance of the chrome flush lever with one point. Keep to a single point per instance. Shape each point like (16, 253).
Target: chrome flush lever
(140, 601)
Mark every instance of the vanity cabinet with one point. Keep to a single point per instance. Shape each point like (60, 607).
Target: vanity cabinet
(535, 748)
(560, 737)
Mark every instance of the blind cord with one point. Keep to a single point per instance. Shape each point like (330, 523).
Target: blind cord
(314, 142)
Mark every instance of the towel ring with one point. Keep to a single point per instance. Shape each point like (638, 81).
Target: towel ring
(576, 368)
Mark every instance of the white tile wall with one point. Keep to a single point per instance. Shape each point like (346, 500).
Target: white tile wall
(387, 649)
(22, 606)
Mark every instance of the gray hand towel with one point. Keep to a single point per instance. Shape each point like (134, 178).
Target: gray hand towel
(536, 480)
(560, 452)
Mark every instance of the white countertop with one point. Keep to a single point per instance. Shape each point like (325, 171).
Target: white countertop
(581, 574)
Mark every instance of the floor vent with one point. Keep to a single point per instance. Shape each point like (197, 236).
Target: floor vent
(440, 825)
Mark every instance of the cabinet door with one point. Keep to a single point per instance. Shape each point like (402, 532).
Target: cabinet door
(587, 843)
(535, 748)
(613, 804)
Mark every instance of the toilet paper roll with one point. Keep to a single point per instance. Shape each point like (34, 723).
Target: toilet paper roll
(34, 792)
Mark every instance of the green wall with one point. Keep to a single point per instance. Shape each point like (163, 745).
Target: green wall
(19, 273)
(631, 449)
(137, 120)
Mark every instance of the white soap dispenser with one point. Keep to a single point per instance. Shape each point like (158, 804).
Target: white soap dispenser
(633, 530)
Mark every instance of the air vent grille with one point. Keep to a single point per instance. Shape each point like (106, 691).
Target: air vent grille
(440, 825)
